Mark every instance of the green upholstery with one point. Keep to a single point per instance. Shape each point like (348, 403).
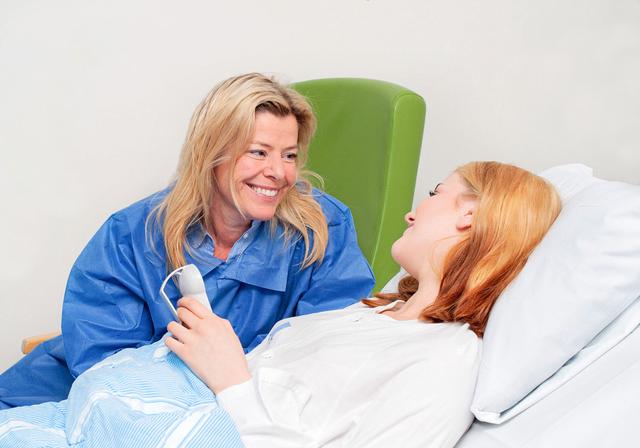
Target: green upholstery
(366, 149)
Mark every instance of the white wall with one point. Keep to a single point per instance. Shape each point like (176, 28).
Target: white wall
(95, 98)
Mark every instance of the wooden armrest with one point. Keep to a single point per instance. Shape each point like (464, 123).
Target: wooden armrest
(32, 342)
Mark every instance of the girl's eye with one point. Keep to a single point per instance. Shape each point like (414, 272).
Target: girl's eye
(432, 193)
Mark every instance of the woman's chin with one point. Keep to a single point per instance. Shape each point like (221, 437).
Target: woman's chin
(260, 212)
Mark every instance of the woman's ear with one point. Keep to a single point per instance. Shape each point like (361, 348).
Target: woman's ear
(466, 214)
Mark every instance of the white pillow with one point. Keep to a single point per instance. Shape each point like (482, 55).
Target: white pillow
(392, 284)
(584, 273)
(616, 331)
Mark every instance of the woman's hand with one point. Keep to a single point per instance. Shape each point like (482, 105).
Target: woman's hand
(208, 345)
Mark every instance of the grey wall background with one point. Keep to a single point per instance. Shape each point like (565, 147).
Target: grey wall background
(95, 98)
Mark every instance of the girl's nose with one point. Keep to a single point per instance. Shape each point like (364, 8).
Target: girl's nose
(410, 218)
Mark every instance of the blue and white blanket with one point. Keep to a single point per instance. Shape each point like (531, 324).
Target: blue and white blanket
(140, 398)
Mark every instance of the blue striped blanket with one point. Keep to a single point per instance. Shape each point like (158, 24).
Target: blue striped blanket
(145, 397)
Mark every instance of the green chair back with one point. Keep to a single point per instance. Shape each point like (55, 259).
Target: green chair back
(366, 148)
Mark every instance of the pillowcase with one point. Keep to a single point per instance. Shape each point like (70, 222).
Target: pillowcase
(392, 284)
(616, 331)
(584, 273)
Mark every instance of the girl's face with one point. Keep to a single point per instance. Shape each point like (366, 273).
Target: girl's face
(264, 172)
(436, 225)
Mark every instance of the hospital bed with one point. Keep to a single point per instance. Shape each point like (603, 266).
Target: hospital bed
(599, 407)
(561, 353)
(561, 361)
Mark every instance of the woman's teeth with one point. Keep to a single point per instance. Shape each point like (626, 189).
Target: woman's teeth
(264, 191)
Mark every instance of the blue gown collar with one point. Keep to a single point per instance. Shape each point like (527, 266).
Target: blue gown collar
(263, 259)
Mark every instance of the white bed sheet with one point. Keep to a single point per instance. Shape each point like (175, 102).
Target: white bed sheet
(599, 407)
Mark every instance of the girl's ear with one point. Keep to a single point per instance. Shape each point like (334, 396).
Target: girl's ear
(466, 215)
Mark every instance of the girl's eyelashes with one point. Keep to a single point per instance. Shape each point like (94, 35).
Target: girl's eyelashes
(434, 192)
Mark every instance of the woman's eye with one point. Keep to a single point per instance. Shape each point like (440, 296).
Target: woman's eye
(258, 152)
(432, 193)
(290, 156)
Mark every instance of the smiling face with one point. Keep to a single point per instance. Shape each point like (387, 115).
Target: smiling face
(262, 175)
(436, 225)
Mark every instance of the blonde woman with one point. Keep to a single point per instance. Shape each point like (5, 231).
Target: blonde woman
(399, 370)
(241, 209)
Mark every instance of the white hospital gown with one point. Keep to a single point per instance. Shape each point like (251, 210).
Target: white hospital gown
(356, 378)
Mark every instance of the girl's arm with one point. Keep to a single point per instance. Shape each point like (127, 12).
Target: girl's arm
(209, 346)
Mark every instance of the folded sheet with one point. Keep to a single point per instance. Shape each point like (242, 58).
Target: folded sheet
(152, 399)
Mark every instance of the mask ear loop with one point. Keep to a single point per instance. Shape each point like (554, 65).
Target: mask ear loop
(164, 295)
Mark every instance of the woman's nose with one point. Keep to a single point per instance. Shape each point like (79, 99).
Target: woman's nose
(410, 218)
(274, 168)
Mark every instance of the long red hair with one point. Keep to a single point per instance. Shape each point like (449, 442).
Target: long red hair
(515, 209)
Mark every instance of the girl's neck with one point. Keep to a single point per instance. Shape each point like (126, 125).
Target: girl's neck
(428, 289)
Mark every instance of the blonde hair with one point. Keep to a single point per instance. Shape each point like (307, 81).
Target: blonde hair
(514, 211)
(220, 130)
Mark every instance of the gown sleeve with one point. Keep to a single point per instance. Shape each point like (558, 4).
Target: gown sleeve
(104, 306)
(266, 411)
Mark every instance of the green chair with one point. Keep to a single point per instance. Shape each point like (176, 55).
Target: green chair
(366, 148)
